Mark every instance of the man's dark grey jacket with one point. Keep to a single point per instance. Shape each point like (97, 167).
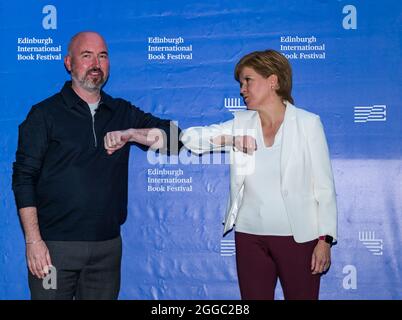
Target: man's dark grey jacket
(63, 169)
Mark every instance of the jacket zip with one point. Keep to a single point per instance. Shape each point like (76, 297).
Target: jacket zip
(93, 131)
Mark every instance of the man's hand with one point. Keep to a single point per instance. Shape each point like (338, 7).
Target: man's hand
(321, 259)
(38, 259)
(115, 140)
(37, 253)
(152, 137)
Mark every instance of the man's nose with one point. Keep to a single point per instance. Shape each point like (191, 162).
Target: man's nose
(96, 62)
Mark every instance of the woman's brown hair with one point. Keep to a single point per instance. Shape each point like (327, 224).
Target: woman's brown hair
(266, 63)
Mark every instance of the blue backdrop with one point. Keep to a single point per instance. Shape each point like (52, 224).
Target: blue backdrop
(176, 59)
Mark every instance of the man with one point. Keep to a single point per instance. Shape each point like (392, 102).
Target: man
(70, 177)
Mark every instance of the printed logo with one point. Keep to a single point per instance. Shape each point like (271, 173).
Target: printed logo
(370, 113)
(163, 48)
(234, 104)
(302, 47)
(228, 248)
(369, 240)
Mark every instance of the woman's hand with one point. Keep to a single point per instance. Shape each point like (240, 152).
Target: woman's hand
(321, 259)
(246, 144)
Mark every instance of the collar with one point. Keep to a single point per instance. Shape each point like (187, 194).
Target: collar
(72, 99)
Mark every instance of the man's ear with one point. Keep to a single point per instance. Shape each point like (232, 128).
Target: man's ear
(67, 63)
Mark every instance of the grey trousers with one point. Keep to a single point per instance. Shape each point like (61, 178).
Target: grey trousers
(83, 270)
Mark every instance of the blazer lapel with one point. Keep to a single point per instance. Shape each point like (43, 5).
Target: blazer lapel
(289, 136)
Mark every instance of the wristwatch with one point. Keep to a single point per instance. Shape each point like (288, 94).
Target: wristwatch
(328, 239)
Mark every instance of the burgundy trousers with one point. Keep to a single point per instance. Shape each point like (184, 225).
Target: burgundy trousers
(261, 260)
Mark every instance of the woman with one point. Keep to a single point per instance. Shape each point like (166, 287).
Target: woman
(282, 195)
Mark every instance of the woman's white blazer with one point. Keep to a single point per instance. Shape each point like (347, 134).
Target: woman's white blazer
(307, 184)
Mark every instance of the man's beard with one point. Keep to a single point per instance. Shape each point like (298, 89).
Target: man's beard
(88, 82)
